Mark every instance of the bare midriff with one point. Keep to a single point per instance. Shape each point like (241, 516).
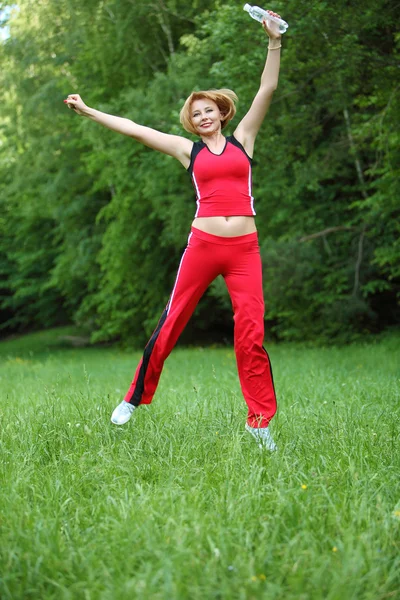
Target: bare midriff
(226, 226)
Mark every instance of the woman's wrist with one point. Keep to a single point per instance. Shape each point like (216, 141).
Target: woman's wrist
(89, 112)
(274, 43)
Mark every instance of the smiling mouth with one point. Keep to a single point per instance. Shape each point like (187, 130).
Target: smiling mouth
(206, 124)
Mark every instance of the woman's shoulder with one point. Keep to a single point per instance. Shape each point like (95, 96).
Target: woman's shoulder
(196, 149)
(235, 142)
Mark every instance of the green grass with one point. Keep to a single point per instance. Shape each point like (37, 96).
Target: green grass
(180, 503)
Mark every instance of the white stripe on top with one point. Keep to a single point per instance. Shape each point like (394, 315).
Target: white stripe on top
(197, 196)
(251, 197)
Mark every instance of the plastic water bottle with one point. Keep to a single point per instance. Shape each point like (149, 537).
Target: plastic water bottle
(259, 14)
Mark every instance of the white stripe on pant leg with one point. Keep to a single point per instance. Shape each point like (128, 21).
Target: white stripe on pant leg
(177, 276)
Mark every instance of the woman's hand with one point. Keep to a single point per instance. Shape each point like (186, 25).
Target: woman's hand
(75, 102)
(270, 27)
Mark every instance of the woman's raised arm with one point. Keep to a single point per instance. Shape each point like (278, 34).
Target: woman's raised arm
(248, 128)
(173, 145)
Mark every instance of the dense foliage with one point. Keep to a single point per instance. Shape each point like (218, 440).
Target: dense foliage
(92, 224)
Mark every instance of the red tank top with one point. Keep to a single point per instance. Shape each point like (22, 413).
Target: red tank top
(222, 181)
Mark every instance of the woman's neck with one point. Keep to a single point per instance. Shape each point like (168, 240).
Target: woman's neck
(215, 141)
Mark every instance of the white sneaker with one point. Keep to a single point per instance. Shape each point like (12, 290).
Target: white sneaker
(263, 437)
(122, 413)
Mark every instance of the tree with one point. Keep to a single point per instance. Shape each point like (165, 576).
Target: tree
(93, 223)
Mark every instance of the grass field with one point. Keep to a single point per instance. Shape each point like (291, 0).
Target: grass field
(180, 503)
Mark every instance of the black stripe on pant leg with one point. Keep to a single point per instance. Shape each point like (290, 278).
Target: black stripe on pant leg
(270, 370)
(138, 393)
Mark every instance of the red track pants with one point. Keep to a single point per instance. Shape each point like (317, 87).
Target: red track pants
(238, 260)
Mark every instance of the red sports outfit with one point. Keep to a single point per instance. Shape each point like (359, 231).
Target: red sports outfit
(222, 181)
(223, 186)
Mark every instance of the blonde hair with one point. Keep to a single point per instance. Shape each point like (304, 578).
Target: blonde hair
(224, 99)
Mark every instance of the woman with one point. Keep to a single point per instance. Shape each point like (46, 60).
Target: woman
(223, 239)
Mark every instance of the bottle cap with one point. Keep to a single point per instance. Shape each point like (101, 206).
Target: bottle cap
(247, 7)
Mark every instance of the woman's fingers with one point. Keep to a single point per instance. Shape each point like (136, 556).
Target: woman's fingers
(72, 100)
(271, 27)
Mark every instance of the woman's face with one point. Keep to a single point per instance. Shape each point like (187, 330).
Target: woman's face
(206, 116)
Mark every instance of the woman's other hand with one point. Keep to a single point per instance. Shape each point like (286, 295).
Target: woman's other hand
(75, 102)
(270, 27)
